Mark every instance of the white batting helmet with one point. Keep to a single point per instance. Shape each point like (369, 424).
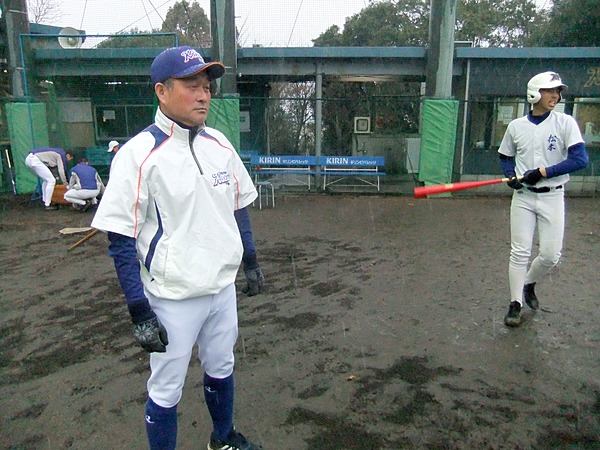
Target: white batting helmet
(545, 80)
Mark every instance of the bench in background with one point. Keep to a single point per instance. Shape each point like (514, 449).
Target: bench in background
(301, 168)
(364, 169)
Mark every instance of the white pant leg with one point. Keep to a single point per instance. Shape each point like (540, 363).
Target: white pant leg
(522, 226)
(189, 322)
(48, 181)
(551, 230)
(219, 334)
(79, 196)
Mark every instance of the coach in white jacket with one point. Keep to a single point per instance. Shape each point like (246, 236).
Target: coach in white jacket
(176, 217)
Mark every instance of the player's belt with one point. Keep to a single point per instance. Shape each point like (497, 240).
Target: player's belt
(543, 189)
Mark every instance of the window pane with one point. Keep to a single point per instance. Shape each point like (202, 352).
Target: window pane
(110, 122)
(138, 118)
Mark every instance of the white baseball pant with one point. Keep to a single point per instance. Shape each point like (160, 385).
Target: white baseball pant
(547, 210)
(79, 196)
(48, 181)
(210, 322)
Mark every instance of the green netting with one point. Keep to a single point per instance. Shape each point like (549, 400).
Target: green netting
(23, 138)
(60, 132)
(438, 140)
(224, 115)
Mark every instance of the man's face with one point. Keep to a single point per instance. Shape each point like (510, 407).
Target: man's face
(185, 100)
(549, 99)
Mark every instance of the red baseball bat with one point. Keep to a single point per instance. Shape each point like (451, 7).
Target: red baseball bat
(424, 191)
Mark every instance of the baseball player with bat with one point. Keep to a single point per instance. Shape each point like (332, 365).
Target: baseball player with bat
(175, 210)
(537, 153)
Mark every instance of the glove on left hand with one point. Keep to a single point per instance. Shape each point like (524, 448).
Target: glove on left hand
(531, 177)
(255, 280)
(515, 183)
(151, 335)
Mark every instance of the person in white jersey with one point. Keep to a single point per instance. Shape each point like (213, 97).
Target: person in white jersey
(175, 210)
(537, 153)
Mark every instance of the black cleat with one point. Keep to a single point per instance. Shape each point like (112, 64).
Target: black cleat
(530, 297)
(234, 441)
(513, 317)
(88, 204)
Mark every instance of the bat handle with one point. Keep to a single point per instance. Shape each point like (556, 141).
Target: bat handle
(83, 239)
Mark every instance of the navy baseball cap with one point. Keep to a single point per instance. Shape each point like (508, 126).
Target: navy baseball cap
(182, 62)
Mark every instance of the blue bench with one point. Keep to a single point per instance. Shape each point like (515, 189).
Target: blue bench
(302, 168)
(336, 169)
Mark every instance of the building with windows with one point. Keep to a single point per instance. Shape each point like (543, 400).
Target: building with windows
(85, 95)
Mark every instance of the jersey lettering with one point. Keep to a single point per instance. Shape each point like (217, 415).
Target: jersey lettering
(221, 178)
(551, 142)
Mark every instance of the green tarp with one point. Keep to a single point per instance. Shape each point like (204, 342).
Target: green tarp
(224, 115)
(23, 138)
(438, 139)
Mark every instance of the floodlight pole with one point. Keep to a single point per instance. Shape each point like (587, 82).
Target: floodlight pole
(16, 22)
(224, 42)
(440, 53)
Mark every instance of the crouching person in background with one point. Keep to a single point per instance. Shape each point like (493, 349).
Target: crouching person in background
(85, 185)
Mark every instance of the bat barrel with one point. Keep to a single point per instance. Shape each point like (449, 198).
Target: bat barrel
(424, 191)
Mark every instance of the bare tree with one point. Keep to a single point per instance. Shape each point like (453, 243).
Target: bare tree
(44, 11)
(291, 118)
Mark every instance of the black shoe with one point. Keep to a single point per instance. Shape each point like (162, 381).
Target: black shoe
(51, 207)
(530, 297)
(234, 441)
(88, 204)
(513, 318)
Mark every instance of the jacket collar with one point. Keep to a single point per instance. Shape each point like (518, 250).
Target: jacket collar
(170, 127)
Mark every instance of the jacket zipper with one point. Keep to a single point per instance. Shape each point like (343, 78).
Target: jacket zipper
(193, 133)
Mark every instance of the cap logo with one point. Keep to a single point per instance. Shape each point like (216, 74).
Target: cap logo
(554, 77)
(190, 54)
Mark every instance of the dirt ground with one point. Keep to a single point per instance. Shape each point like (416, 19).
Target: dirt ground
(381, 327)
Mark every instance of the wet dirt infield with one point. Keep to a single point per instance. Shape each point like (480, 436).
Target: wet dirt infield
(380, 327)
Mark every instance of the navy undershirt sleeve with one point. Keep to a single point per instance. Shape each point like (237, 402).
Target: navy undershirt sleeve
(122, 250)
(242, 217)
(508, 165)
(577, 158)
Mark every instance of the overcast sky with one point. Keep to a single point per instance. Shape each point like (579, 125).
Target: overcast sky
(271, 23)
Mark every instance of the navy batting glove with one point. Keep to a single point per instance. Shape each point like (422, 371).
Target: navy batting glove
(531, 177)
(255, 280)
(151, 335)
(515, 183)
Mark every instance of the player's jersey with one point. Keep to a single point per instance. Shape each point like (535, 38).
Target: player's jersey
(84, 177)
(542, 145)
(53, 157)
(176, 196)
